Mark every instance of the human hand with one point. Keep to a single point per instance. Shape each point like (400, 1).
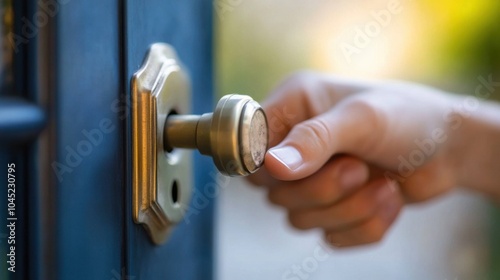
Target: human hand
(347, 155)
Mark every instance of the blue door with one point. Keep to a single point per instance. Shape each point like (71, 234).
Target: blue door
(187, 26)
(74, 193)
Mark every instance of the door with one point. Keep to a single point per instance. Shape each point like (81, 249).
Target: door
(187, 26)
(74, 198)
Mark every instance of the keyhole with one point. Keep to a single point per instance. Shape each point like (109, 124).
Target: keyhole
(166, 146)
(175, 192)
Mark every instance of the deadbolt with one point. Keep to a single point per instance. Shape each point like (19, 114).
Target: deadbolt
(235, 135)
(163, 131)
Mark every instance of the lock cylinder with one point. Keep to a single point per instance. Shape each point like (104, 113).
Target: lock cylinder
(235, 135)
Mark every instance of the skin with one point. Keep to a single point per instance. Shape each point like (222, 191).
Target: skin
(347, 155)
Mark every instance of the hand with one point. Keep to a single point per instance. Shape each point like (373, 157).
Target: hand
(347, 155)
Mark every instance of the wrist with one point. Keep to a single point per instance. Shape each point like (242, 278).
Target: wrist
(474, 150)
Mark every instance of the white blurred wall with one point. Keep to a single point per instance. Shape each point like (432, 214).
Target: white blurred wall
(443, 239)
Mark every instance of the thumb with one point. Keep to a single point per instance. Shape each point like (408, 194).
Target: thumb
(351, 127)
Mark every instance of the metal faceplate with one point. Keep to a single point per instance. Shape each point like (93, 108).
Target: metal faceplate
(162, 183)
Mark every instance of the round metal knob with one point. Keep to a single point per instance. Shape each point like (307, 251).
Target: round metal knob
(235, 134)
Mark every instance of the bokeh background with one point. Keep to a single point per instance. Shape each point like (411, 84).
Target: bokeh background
(443, 43)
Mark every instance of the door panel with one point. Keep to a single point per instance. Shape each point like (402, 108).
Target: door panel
(90, 140)
(187, 26)
(76, 195)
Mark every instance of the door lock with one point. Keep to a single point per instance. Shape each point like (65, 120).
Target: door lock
(164, 131)
(235, 134)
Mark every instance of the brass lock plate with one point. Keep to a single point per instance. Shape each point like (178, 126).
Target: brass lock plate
(161, 178)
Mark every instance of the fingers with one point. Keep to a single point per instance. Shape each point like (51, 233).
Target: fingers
(358, 207)
(370, 231)
(354, 126)
(361, 218)
(337, 179)
(356, 213)
(303, 96)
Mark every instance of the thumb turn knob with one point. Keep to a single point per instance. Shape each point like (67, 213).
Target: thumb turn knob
(235, 135)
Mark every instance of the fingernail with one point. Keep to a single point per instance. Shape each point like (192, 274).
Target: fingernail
(352, 175)
(288, 156)
(330, 239)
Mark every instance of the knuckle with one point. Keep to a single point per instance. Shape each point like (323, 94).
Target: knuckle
(307, 84)
(302, 78)
(371, 117)
(317, 133)
(365, 109)
(360, 105)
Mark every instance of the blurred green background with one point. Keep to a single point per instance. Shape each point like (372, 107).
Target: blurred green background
(444, 43)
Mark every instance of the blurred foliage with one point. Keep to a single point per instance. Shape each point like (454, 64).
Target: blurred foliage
(444, 43)
(465, 39)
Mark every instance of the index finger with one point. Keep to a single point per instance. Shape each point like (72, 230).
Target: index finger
(303, 96)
